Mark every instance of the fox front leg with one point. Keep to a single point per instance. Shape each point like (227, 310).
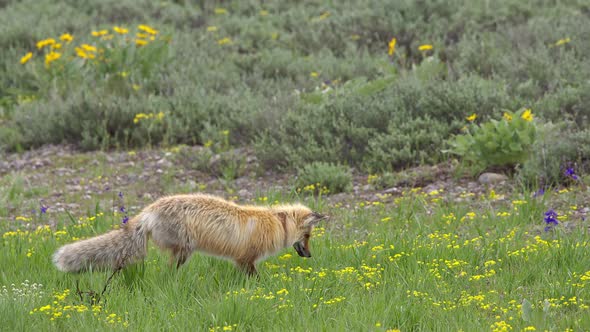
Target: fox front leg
(248, 267)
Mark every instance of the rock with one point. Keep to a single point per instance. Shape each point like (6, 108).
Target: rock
(164, 163)
(76, 187)
(492, 178)
(251, 159)
(392, 190)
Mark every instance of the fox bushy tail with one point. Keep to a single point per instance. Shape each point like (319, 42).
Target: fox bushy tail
(113, 250)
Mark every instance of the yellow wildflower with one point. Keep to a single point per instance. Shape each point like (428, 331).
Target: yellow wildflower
(100, 33)
(147, 29)
(66, 37)
(121, 31)
(220, 11)
(45, 42)
(425, 47)
(472, 117)
(80, 52)
(527, 115)
(88, 48)
(314, 74)
(140, 42)
(211, 28)
(562, 41)
(45, 308)
(50, 57)
(224, 41)
(391, 49)
(263, 12)
(507, 116)
(26, 58)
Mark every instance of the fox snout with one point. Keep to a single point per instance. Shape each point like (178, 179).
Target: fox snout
(302, 249)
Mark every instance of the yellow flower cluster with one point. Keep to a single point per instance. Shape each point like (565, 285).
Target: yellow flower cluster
(60, 309)
(87, 51)
(144, 116)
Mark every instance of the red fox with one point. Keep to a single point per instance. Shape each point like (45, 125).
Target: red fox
(186, 223)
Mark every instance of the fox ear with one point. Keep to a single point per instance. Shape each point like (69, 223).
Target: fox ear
(314, 219)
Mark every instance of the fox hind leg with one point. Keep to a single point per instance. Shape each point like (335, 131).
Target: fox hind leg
(179, 256)
(248, 267)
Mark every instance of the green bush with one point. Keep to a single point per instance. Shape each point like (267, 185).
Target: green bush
(503, 143)
(557, 148)
(324, 178)
(379, 125)
(301, 81)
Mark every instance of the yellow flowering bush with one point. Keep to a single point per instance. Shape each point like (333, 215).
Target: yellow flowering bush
(497, 143)
(120, 57)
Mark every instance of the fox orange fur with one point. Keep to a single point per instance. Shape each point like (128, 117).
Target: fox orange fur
(186, 223)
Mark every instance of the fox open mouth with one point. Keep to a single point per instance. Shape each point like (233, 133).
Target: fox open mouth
(301, 250)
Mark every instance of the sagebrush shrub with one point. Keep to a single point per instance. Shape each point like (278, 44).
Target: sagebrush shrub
(323, 178)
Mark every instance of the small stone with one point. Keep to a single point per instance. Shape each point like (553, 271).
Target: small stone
(392, 190)
(492, 178)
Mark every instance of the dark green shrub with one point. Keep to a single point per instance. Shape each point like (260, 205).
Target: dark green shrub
(557, 148)
(324, 178)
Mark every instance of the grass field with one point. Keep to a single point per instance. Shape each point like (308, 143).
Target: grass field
(379, 113)
(411, 262)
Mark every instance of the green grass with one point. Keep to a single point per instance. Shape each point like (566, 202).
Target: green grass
(414, 262)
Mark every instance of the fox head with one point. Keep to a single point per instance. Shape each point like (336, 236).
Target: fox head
(304, 219)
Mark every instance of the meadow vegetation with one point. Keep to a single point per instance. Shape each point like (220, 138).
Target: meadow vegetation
(379, 86)
(417, 261)
(167, 95)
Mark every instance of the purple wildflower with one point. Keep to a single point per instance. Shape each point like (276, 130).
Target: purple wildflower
(550, 219)
(539, 192)
(122, 209)
(44, 208)
(120, 194)
(571, 173)
(126, 219)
